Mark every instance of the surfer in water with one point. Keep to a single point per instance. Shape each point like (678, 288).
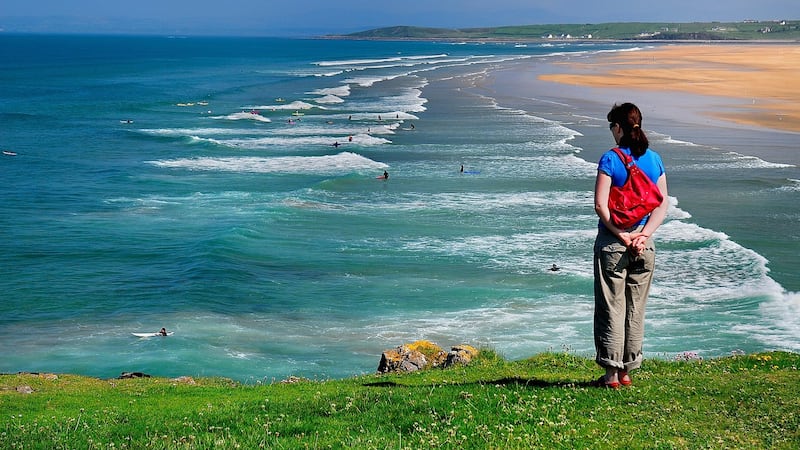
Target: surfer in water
(555, 268)
(385, 175)
(163, 332)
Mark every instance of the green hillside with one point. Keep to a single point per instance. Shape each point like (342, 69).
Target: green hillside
(544, 402)
(747, 30)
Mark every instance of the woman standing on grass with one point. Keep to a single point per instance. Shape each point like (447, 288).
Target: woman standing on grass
(624, 259)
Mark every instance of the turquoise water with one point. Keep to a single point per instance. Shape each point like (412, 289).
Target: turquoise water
(193, 184)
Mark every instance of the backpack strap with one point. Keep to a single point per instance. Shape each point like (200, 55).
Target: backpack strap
(627, 160)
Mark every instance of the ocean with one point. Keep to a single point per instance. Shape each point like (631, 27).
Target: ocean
(226, 189)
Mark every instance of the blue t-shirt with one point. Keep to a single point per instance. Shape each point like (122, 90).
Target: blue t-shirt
(650, 163)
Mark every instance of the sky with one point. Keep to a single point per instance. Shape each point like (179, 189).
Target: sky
(317, 17)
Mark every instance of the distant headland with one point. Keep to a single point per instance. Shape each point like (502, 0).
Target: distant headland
(747, 30)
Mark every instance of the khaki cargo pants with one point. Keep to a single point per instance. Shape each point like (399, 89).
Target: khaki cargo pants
(621, 286)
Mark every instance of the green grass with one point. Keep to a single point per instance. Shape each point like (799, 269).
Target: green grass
(750, 30)
(743, 401)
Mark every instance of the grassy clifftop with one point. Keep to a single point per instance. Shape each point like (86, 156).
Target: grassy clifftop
(748, 30)
(742, 401)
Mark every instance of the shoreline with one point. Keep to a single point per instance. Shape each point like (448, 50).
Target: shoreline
(578, 91)
(688, 129)
(540, 40)
(751, 85)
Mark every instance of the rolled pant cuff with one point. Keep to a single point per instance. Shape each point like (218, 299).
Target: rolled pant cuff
(633, 365)
(609, 364)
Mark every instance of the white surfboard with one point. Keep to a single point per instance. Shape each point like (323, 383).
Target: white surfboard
(156, 334)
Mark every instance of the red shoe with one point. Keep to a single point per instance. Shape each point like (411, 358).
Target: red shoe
(625, 379)
(602, 383)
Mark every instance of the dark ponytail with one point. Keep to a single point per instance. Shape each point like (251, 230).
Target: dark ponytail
(629, 118)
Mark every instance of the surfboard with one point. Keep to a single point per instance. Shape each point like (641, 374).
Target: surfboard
(381, 177)
(471, 172)
(144, 335)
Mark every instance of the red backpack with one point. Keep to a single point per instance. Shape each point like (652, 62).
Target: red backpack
(635, 199)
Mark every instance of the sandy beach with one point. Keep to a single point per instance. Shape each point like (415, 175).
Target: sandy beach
(724, 116)
(760, 80)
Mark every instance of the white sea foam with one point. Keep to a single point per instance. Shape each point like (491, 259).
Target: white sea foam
(329, 99)
(368, 81)
(752, 162)
(679, 231)
(238, 354)
(552, 131)
(341, 163)
(625, 50)
(294, 142)
(783, 308)
(243, 115)
(701, 273)
(182, 132)
(293, 106)
(486, 202)
(356, 62)
(338, 91)
(342, 130)
(323, 74)
(506, 328)
(391, 107)
(674, 212)
(657, 138)
(396, 61)
(793, 186)
(417, 66)
(735, 160)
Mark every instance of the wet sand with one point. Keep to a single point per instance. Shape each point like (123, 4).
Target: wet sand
(760, 81)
